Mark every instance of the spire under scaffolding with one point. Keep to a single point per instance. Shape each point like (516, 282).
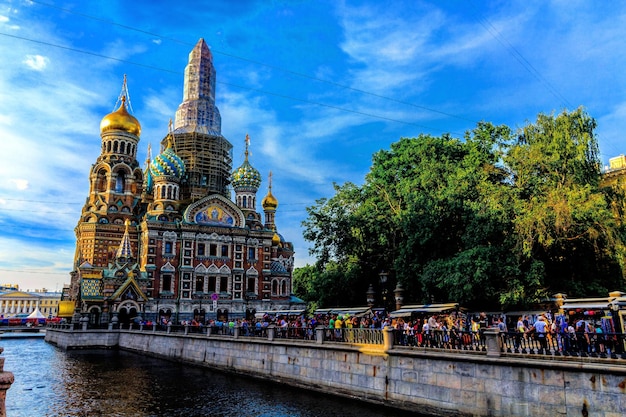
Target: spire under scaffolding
(124, 96)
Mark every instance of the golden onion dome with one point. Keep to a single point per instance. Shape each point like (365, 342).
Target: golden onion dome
(275, 239)
(120, 119)
(269, 201)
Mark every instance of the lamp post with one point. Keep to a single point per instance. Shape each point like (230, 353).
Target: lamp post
(370, 294)
(382, 276)
(399, 296)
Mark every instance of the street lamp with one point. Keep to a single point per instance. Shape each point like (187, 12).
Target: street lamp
(382, 276)
(370, 294)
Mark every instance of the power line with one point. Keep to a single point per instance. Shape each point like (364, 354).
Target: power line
(288, 71)
(484, 22)
(33, 271)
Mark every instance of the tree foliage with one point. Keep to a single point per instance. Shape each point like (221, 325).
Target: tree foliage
(498, 219)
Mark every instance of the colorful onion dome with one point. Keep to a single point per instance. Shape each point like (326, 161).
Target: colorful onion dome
(246, 176)
(167, 164)
(120, 119)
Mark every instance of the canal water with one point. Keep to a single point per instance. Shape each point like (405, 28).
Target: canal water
(86, 383)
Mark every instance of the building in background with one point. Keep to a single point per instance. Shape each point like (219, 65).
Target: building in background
(167, 242)
(15, 303)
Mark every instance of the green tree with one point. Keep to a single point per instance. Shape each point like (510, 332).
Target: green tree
(563, 219)
(496, 219)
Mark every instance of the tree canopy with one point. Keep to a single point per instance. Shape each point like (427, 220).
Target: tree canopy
(501, 218)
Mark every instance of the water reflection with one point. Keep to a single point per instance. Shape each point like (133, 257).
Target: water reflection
(51, 382)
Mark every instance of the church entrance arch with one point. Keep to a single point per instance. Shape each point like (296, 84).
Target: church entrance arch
(94, 315)
(128, 311)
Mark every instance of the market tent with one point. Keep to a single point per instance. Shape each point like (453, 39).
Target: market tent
(36, 315)
(407, 311)
(276, 313)
(586, 304)
(350, 311)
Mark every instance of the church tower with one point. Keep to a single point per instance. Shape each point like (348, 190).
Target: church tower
(246, 183)
(197, 131)
(116, 183)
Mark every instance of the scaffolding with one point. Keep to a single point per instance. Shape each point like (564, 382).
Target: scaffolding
(208, 164)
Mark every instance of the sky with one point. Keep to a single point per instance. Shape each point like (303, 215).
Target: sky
(319, 86)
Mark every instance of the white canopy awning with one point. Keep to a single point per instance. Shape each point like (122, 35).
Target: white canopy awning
(351, 311)
(36, 315)
(407, 311)
(586, 306)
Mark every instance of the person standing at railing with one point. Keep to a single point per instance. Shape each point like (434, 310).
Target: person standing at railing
(540, 328)
(338, 328)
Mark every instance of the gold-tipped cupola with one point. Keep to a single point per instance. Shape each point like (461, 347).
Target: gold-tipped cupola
(120, 119)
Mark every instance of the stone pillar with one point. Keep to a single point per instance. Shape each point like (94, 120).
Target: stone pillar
(271, 329)
(492, 341)
(169, 326)
(388, 338)
(236, 332)
(84, 321)
(209, 329)
(6, 380)
(319, 335)
(186, 329)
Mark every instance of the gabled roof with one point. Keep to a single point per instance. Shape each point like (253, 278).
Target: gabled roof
(129, 284)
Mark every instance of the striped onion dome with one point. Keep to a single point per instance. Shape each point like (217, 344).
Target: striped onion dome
(167, 164)
(246, 177)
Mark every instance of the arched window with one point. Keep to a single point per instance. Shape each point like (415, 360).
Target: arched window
(119, 182)
(101, 180)
(274, 287)
(244, 202)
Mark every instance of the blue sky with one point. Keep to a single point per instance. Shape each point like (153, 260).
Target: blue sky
(319, 87)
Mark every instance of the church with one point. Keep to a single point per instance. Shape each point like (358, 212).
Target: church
(170, 241)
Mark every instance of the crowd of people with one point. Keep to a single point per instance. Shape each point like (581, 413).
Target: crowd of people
(450, 330)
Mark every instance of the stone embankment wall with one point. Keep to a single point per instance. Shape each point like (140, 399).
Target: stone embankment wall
(427, 381)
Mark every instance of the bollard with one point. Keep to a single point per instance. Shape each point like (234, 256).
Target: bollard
(388, 338)
(319, 335)
(169, 326)
(6, 380)
(186, 329)
(236, 332)
(208, 330)
(154, 326)
(271, 329)
(492, 342)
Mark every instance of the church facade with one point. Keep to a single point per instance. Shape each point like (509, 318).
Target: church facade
(169, 241)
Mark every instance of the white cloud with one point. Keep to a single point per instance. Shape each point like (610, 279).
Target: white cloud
(36, 62)
(19, 183)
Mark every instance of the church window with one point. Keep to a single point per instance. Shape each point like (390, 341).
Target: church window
(201, 249)
(166, 282)
(200, 284)
(274, 287)
(162, 191)
(225, 251)
(119, 182)
(212, 249)
(115, 147)
(283, 288)
(251, 285)
(223, 284)
(251, 255)
(244, 202)
(212, 284)
(168, 248)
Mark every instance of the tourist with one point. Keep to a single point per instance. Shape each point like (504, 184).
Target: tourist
(540, 329)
